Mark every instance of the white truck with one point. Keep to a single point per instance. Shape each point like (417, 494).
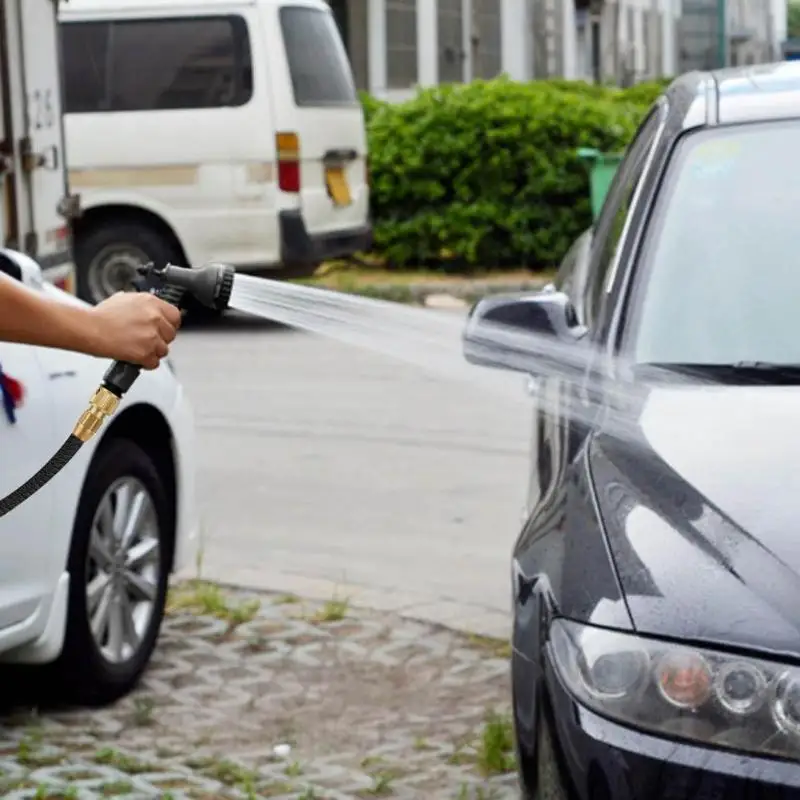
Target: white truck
(36, 207)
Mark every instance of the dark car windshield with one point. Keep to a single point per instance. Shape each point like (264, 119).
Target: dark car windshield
(722, 264)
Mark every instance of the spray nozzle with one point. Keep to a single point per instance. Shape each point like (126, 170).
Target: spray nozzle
(210, 285)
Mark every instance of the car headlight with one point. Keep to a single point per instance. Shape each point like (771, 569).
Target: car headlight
(688, 692)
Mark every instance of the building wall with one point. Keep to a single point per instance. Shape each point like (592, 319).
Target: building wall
(755, 31)
(397, 45)
(638, 40)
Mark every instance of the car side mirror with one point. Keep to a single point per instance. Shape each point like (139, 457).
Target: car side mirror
(531, 333)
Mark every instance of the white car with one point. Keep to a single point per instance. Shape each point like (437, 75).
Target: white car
(85, 563)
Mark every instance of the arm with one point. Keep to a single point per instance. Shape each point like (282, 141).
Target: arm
(127, 326)
(28, 317)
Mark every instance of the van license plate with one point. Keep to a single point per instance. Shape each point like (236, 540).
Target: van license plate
(338, 188)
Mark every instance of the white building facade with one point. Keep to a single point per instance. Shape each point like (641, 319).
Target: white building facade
(398, 45)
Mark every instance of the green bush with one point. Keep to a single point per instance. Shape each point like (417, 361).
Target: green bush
(485, 174)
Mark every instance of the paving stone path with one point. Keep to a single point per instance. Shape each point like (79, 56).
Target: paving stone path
(369, 705)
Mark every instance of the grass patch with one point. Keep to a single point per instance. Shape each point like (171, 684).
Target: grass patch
(333, 610)
(124, 763)
(230, 773)
(29, 755)
(491, 646)
(44, 792)
(495, 748)
(143, 711)
(286, 600)
(207, 599)
(115, 788)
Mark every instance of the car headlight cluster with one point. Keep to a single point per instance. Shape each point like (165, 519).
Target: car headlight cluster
(697, 694)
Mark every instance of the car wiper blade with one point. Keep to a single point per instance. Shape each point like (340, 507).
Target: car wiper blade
(765, 372)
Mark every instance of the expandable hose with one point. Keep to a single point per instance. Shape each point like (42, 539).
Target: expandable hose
(210, 285)
(62, 457)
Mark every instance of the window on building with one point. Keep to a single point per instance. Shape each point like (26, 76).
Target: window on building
(401, 44)
(488, 61)
(156, 64)
(451, 41)
(351, 17)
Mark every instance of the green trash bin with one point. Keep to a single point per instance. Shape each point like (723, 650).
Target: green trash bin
(603, 168)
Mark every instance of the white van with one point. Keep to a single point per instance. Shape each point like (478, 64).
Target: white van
(222, 130)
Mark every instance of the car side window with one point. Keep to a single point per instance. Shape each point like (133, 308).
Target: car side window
(611, 222)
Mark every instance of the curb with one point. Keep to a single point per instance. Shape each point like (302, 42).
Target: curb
(449, 613)
(463, 290)
(468, 291)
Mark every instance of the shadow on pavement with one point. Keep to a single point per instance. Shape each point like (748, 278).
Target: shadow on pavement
(234, 322)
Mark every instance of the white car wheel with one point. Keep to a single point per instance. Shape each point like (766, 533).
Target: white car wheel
(119, 571)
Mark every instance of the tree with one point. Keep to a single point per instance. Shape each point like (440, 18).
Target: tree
(794, 19)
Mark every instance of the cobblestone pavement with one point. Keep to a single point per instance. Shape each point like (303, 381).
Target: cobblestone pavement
(371, 705)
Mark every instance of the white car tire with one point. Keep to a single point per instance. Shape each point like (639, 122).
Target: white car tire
(119, 573)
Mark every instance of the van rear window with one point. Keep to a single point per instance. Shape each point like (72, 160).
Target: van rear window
(318, 64)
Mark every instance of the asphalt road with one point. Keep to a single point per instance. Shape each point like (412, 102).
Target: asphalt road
(324, 468)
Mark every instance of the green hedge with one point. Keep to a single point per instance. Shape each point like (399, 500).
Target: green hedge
(485, 174)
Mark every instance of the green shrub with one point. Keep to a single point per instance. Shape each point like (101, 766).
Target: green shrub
(485, 174)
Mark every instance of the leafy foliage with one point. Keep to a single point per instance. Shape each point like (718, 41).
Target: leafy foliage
(486, 173)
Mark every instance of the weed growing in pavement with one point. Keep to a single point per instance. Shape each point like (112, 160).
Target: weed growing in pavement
(333, 610)
(143, 708)
(491, 646)
(29, 755)
(286, 599)
(124, 763)
(495, 749)
(115, 788)
(381, 774)
(230, 773)
(198, 562)
(201, 597)
(420, 743)
(492, 751)
(293, 770)
(45, 792)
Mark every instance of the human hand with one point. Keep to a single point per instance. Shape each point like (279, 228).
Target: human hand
(136, 327)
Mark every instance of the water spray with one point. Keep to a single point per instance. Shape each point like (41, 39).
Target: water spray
(210, 286)
(498, 332)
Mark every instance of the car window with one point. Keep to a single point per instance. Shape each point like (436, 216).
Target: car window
(156, 64)
(719, 281)
(318, 63)
(611, 222)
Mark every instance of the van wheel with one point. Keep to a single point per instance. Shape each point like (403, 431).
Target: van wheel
(109, 255)
(119, 570)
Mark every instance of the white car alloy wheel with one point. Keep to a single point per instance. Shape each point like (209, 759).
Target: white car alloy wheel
(119, 568)
(123, 568)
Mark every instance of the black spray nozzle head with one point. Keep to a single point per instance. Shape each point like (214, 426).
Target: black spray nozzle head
(210, 285)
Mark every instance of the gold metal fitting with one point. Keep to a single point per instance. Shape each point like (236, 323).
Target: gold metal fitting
(102, 405)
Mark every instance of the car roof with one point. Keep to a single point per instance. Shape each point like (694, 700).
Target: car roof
(737, 95)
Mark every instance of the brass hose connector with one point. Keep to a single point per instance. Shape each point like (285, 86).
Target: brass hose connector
(102, 405)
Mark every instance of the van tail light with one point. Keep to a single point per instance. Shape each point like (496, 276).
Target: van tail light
(287, 146)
